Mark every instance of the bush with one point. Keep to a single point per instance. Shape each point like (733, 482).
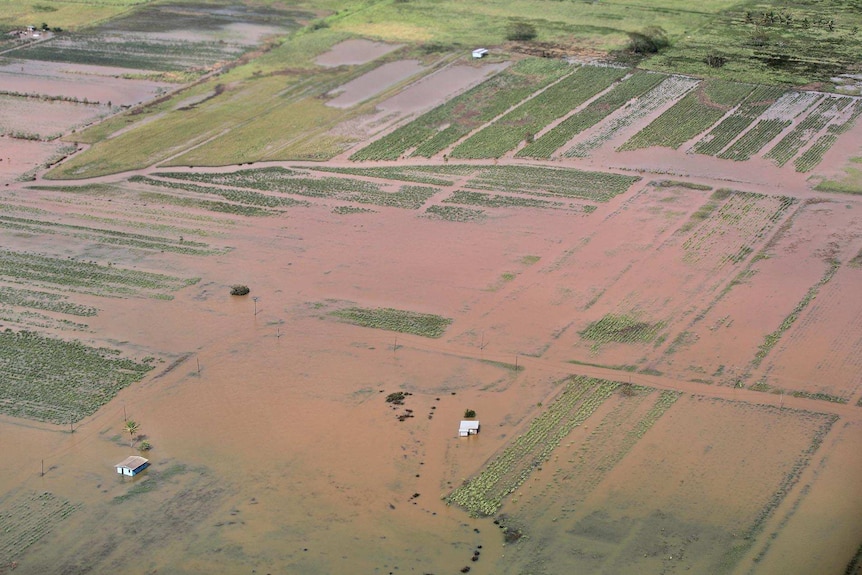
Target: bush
(648, 41)
(468, 414)
(521, 32)
(239, 290)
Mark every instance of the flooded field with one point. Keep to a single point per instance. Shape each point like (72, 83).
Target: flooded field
(661, 346)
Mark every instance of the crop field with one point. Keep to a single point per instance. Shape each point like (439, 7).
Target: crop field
(287, 181)
(27, 518)
(435, 131)
(424, 324)
(694, 113)
(642, 279)
(670, 520)
(85, 277)
(522, 123)
(632, 86)
(49, 379)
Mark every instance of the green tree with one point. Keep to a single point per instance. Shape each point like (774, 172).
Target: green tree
(132, 427)
(521, 32)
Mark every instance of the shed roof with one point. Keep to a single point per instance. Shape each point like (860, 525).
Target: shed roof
(469, 425)
(132, 462)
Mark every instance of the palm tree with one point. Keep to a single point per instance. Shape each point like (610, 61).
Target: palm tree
(132, 427)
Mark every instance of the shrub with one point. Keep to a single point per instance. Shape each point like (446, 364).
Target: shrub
(239, 290)
(648, 41)
(468, 414)
(521, 32)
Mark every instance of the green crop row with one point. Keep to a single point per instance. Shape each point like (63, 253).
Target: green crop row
(541, 181)
(692, 115)
(455, 214)
(464, 197)
(43, 300)
(446, 124)
(669, 90)
(25, 519)
(621, 329)
(85, 277)
(812, 156)
(206, 205)
(35, 320)
(423, 324)
(732, 126)
(484, 493)
(807, 129)
(529, 118)
(770, 340)
(112, 237)
(49, 379)
(244, 197)
(754, 140)
(632, 87)
(281, 180)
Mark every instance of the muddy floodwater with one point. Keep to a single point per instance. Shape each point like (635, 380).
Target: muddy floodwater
(716, 431)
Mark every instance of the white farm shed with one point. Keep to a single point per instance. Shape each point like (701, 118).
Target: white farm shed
(468, 428)
(132, 465)
(480, 52)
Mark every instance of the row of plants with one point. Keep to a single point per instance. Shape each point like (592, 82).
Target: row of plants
(26, 519)
(467, 198)
(25, 319)
(207, 205)
(286, 181)
(812, 156)
(736, 123)
(824, 113)
(483, 494)
(671, 89)
(622, 328)
(525, 121)
(430, 175)
(754, 140)
(43, 300)
(633, 86)
(455, 213)
(399, 320)
(49, 379)
(436, 130)
(112, 237)
(244, 197)
(537, 180)
(692, 115)
(771, 339)
(85, 277)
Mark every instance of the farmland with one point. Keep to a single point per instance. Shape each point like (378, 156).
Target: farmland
(281, 251)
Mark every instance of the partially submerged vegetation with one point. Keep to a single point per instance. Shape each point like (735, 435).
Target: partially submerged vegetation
(404, 321)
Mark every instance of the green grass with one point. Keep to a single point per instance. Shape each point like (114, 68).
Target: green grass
(423, 324)
(49, 379)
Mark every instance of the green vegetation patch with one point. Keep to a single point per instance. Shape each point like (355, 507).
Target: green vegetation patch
(633, 86)
(456, 214)
(49, 379)
(464, 197)
(281, 180)
(446, 124)
(525, 121)
(43, 300)
(693, 114)
(828, 110)
(757, 102)
(26, 519)
(484, 493)
(621, 329)
(86, 277)
(244, 199)
(536, 180)
(424, 324)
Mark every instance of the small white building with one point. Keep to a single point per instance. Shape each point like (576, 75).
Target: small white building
(480, 52)
(132, 465)
(468, 428)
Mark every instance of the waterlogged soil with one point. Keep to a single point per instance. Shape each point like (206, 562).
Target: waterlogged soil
(354, 52)
(274, 449)
(373, 83)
